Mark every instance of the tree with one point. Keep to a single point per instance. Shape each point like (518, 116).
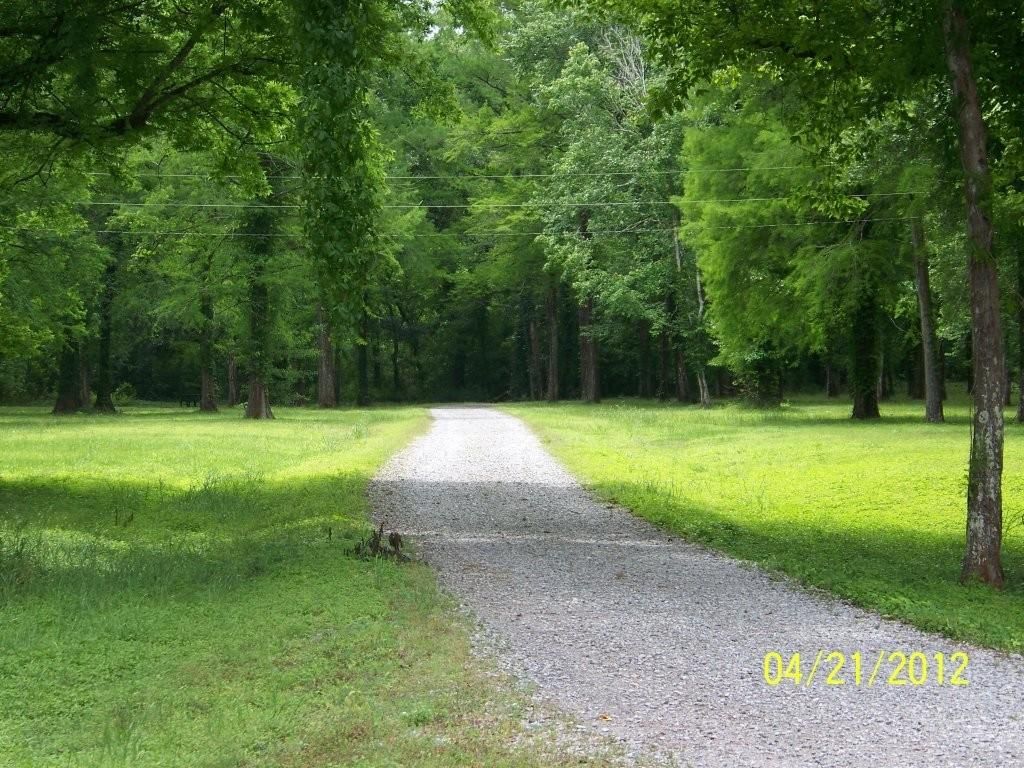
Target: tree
(822, 49)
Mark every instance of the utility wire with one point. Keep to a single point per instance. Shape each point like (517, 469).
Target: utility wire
(494, 176)
(417, 206)
(461, 234)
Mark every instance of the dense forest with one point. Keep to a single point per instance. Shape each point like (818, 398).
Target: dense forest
(313, 202)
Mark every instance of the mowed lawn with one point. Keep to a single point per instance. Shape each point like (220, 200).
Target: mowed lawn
(175, 590)
(874, 512)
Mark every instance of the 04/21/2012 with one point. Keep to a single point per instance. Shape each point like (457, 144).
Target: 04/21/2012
(913, 668)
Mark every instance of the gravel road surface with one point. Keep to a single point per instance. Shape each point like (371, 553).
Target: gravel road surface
(661, 643)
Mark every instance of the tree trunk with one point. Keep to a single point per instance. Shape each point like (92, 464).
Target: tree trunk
(104, 376)
(929, 341)
(831, 381)
(984, 485)
(232, 381)
(664, 350)
(644, 369)
(1020, 334)
(260, 225)
(207, 391)
(589, 379)
(396, 373)
(702, 386)
(363, 365)
(326, 393)
(882, 388)
(69, 382)
(551, 392)
(702, 376)
(534, 366)
(84, 382)
(258, 404)
(864, 363)
(682, 390)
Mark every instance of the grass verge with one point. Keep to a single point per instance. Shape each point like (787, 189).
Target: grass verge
(175, 589)
(874, 512)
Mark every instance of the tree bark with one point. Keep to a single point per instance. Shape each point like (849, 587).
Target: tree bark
(702, 386)
(363, 365)
(664, 351)
(326, 396)
(84, 381)
(1020, 334)
(258, 404)
(69, 383)
(864, 362)
(589, 376)
(533, 369)
(644, 369)
(260, 225)
(104, 375)
(232, 381)
(207, 390)
(929, 341)
(396, 373)
(982, 557)
(682, 390)
(831, 381)
(551, 391)
(702, 378)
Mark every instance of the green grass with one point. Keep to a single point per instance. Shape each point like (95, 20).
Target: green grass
(169, 597)
(874, 512)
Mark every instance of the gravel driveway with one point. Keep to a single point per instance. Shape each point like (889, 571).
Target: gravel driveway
(661, 642)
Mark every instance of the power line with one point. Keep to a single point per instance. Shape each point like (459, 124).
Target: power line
(499, 233)
(490, 176)
(443, 206)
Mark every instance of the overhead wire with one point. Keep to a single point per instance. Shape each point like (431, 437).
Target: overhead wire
(478, 205)
(493, 233)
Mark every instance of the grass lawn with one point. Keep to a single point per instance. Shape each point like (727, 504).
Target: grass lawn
(169, 596)
(874, 512)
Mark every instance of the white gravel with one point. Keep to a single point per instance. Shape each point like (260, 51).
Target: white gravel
(660, 643)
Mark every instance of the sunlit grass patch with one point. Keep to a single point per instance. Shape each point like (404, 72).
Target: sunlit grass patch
(177, 589)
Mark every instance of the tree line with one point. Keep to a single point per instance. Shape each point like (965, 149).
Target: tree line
(304, 201)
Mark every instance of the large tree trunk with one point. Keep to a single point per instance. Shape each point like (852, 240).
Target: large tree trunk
(984, 485)
(864, 362)
(260, 225)
(69, 378)
(207, 390)
(551, 391)
(232, 381)
(396, 372)
(1020, 333)
(929, 342)
(326, 396)
(533, 368)
(644, 368)
(363, 365)
(84, 382)
(590, 391)
(831, 381)
(258, 404)
(702, 386)
(664, 352)
(702, 376)
(682, 390)
(104, 375)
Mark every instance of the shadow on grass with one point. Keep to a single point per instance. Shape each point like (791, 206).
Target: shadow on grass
(91, 539)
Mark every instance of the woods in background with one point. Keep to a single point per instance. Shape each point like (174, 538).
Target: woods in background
(317, 202)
